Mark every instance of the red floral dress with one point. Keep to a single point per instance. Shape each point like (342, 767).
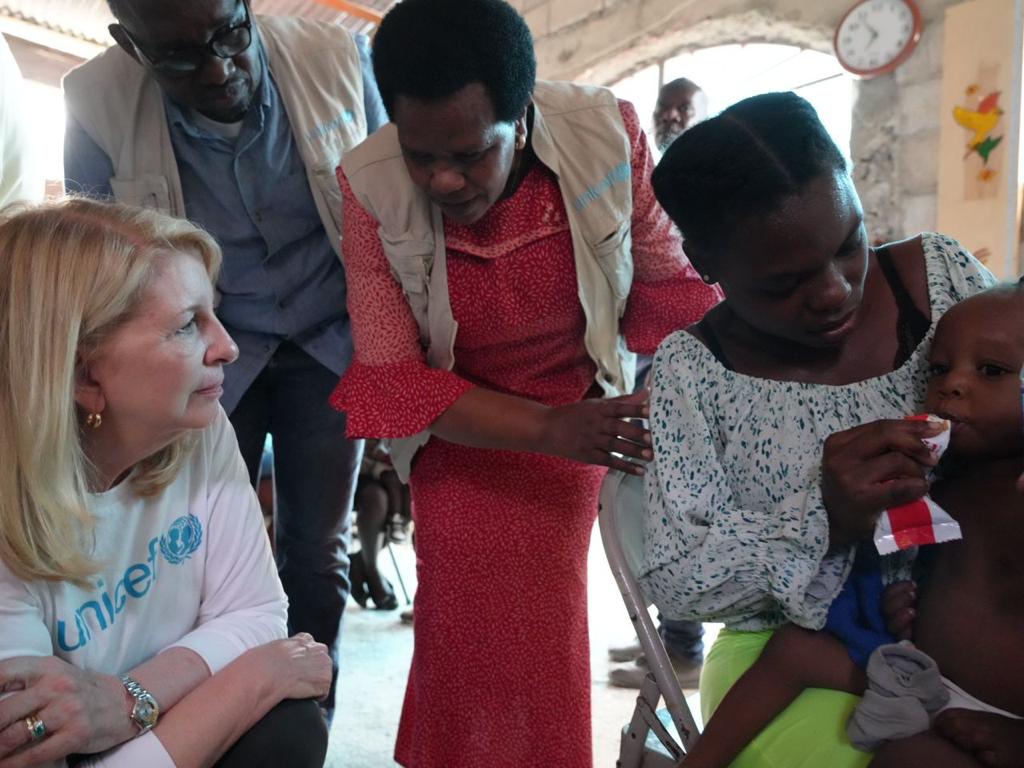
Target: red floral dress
(500, 672)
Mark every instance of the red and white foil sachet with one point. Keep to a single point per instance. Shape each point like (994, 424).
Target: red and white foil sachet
(921, 521)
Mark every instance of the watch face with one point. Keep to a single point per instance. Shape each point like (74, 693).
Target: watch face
(876, 35)
(146, 712)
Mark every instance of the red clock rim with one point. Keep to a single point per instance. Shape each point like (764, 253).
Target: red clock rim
(915, 37)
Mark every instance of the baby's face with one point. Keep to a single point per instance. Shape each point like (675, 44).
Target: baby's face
(975, 375)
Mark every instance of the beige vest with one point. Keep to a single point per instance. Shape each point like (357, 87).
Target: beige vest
(317, 71)
(578, 133)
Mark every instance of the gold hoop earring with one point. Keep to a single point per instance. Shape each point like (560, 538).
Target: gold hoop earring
(94, 420)
(520, 141)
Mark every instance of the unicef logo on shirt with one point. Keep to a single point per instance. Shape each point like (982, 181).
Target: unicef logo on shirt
(183, 538)
(99, 613)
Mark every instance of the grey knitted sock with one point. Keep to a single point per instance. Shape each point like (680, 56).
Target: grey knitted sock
(904, 689)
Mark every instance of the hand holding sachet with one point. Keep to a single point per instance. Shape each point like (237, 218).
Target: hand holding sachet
(921, 521)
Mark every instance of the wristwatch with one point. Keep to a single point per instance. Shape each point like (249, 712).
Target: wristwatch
(145, 710)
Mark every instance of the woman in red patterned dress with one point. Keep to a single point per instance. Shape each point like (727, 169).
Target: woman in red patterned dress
(505, 490)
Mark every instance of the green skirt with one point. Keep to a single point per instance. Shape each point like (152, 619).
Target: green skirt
(811, 733)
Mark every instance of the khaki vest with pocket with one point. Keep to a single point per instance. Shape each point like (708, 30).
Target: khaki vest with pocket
(579, 135)
(318, 74)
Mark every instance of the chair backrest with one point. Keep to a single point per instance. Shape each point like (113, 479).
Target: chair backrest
(629, 521)
(621, 522)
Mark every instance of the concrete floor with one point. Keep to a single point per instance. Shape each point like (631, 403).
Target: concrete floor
(377, 648)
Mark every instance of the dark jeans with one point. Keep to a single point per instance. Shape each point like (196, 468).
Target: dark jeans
(684, 640)
(315, 469)
(292, 734)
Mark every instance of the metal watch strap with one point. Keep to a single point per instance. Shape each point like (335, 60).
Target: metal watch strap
(133, 687)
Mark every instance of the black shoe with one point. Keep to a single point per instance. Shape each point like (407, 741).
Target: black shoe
(398, 530)
(357, 579)
(387, 601)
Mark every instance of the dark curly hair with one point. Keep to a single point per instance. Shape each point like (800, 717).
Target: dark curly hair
(743, 163)
(429, 49)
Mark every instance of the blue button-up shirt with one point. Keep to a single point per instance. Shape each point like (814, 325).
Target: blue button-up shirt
(280, 279)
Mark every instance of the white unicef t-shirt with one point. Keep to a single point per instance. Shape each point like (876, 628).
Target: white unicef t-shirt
(190, 567)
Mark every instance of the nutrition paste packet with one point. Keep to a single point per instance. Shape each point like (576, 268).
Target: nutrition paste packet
(921, 521)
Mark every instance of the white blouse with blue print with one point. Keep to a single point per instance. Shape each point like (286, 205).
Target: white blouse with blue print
(735, 528)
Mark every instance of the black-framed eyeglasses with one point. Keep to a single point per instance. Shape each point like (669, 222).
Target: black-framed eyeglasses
(226, 43)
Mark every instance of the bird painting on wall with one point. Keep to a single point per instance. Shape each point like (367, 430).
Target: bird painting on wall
(982, 121)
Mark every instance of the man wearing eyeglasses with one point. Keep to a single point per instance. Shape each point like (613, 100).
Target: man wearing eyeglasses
(236, 122)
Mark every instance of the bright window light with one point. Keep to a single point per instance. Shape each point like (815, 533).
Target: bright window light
(729, 73)
(46, 118)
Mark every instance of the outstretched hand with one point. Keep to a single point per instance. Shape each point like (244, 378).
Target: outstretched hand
(994, 740)
(601, 432)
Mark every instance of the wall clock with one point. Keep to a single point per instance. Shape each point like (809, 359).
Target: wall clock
(876, 36)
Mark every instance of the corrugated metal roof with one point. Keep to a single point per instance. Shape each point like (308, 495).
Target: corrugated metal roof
(88, 19)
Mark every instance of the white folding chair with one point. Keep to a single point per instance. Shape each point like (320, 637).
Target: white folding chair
(653, 738)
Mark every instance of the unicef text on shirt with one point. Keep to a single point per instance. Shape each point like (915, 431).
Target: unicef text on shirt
(176, 546)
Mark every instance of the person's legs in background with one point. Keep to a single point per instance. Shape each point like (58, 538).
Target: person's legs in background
(399, 505)
(684, 641)
(371, 521)
(315, 469)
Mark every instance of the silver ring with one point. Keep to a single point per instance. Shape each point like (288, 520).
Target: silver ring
(36, 728)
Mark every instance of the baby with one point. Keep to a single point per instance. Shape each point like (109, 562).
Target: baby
(969, 613)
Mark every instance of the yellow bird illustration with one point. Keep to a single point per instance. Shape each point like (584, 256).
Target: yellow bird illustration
(981, 123)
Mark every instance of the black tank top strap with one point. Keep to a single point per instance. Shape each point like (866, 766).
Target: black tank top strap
(911, 323)
(713, 344)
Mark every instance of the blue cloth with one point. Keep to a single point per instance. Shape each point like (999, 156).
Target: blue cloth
(855, 617)
(281, 280)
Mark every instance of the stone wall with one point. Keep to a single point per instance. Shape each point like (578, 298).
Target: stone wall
(896, 117)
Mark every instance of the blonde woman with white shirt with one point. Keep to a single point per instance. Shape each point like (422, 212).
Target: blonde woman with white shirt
(143, 619)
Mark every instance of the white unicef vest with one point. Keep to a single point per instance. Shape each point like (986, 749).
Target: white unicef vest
(578, 134)
(317, 70)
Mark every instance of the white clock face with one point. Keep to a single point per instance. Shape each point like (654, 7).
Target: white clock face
(874, 34)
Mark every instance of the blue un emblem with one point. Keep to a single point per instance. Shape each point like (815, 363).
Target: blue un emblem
(183, 538)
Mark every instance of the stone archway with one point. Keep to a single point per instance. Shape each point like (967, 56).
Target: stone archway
(754, 26)
(894, 142)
